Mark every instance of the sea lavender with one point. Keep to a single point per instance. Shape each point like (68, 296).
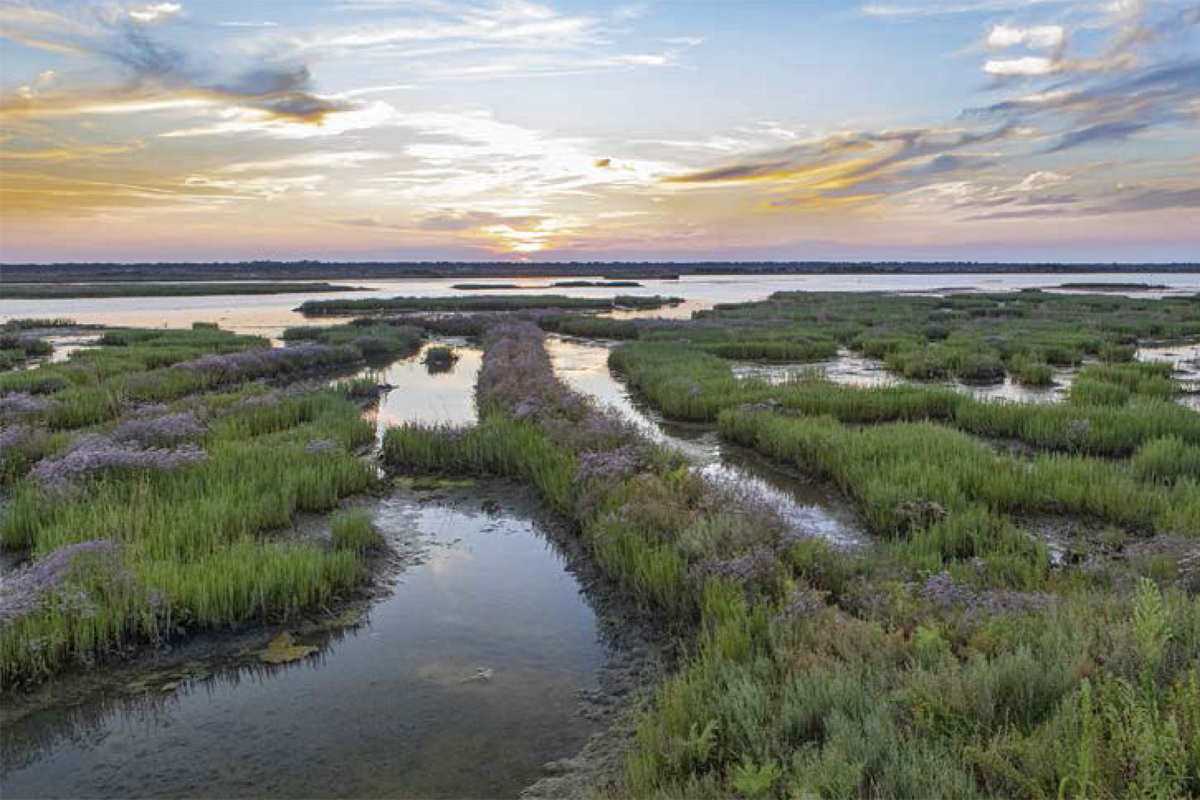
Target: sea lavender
(608, 466)
(266, 361)
(21, 404)
(803, 603)
(164, 430)
(16, 436)
(754, 567)
(92, 453)
(24, 591)
(944, 591)
(516, 375)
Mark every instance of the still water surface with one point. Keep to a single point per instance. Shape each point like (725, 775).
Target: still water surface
(269, 314)
(462, 682)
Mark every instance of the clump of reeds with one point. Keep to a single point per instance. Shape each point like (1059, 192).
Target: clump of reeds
(440, 358)
(353, 531)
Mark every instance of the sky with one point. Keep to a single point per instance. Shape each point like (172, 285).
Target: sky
(426, 130)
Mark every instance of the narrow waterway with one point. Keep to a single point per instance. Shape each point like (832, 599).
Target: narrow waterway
(809, 506)
(463, 680)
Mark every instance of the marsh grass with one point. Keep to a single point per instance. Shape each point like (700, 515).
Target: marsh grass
(953, 661)
(19, 349)
(590, 326)
(440, 356)
(1117, 384)
(353, 531)
(372, 341)
(33, 323)
(692, 385)
(894, 470)
(1167, 460)
(194, 542)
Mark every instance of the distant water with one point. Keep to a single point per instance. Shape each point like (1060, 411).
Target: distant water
(267, 315)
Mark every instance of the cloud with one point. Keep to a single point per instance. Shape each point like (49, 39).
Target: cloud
(258, 122)
(1038, 37)
(1026, 66)
(145, 71)
(154, 12)
(472, 220)
(847, 158)
(371, 222)
(264, 188)
(71, 152)
(1116, 131)
(348, 158)
(1036, 181)
(1129, 201)
(933, 8)
(511, 23)
(1112, 107)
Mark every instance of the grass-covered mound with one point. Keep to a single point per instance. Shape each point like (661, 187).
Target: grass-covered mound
(148, 509)
(951, 659)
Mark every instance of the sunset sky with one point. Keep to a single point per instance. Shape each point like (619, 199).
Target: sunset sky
(429, 130)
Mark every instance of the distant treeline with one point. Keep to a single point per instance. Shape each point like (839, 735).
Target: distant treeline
(319, 270)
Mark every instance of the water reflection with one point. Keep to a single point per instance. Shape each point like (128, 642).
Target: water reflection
(268, 315)
(462, 683)
(430, 394)
(809, 507)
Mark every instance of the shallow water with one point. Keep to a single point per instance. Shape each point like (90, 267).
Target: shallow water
(268, 315)
(463, 682)
(1186, 358)
(427, 396)
(809, 507)
(852, 369)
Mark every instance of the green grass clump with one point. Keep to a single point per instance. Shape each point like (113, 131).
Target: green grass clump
(590, 326)
(907, 475)
(357, 388)
(353, 531)
(773, 350)
(190, 542)
(440, 356)
(1167, 460)
(1032, 373)
(1117, 384)
(28, 323)
(373, 341)
(1087, 428)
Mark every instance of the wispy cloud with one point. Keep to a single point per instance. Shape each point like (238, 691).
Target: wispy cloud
(1041, 37)
(935, 8)
(146, 70)
(347, 158)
